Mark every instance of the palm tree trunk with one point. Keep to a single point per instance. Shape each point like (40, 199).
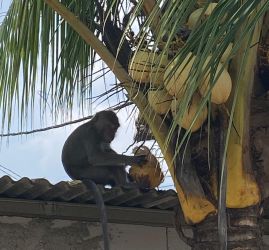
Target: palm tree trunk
(244, 231)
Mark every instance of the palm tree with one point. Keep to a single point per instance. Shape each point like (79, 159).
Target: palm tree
(215, 166)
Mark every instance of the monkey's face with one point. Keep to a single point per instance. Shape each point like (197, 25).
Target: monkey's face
(106, 124)
(108, 132)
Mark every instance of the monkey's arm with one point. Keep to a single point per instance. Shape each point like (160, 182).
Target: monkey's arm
(114, 159)
(101, 154)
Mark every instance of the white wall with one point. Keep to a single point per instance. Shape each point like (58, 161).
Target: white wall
(47, 234)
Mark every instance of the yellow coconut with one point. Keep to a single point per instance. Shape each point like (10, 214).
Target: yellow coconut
(160, 100)
(156, 74)
(149, 175)
(189, 115)
(222, 88)
(194, 17)
(175, 83)
(210, 9)
(140, 66)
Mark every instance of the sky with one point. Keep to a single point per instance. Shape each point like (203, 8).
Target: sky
(39, 155)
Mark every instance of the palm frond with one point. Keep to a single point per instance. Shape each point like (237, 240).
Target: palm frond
(41, 52)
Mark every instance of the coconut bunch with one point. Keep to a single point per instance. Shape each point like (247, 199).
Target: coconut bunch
(148, 68)
(148, 175)
(176, 83)
(168, 81)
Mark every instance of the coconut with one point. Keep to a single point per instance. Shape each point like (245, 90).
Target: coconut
(148, 175)
(189, 115)
(160, 100)
(175, 83)
(222, 88)
(210, 9)
(156, 74)
(140, 66)
(196, 15)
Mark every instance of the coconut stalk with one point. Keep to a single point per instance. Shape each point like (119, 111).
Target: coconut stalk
(195, 206)
(242, 188)
(238, 187)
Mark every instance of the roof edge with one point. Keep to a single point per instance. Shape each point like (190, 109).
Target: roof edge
(85, 212)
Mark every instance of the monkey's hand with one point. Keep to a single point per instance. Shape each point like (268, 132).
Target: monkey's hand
(140, 160)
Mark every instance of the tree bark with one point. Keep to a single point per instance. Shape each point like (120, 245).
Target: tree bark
(244, 231)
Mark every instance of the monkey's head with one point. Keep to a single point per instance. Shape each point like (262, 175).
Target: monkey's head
(106, 124)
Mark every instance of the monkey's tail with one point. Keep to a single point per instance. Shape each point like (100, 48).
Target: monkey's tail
(101, 205)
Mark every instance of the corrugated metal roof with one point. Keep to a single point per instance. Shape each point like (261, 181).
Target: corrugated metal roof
(77, 192)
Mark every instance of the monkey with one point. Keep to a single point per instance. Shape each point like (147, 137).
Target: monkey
(87, 156)
(87, 153)
(112, 36)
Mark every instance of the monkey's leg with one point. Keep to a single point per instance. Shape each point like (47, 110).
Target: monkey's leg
(118, 175)
(99, 175)
(101, 205)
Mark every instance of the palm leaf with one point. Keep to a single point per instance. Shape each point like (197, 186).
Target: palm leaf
(38, 46)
